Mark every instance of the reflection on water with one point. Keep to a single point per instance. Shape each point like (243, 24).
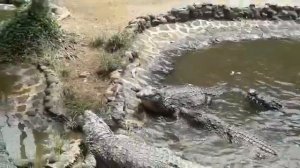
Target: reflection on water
(246, 64)
(271, 67)
(24, 143)
(6, 85)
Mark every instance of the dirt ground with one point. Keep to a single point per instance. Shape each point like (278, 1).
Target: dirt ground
(91, 18)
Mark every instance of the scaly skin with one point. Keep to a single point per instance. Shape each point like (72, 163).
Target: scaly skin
(263, 101)
(119, 151)
(5, 161)
(188, 101)
(166, 100)
(229, 132)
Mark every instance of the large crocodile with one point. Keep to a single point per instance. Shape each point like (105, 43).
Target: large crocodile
(190, 102)
(5, 160)
(119, 151)
(170, 100)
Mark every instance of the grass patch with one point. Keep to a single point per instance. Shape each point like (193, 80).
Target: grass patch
(77, 106)
(98, 42)
(27, 36)
(109, 63)
(116, 42)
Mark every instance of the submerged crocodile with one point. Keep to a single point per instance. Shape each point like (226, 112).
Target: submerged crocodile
(189, 102)
(262, 100)
(119, 151)
(5, 160)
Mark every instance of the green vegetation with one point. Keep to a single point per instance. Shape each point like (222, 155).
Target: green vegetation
(58, 143)
(77, 106)
(114, 50)
(116, 42)
(110, 62)
(29, 35)
(98, 42)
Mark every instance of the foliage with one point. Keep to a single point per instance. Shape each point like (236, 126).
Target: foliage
(59, 142)
(118, 41)
(28, 35)
(109, 63)
(75, 105)
(98, 42)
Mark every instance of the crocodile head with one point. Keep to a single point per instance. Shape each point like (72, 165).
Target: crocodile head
(153, 100)
(149, 94)
(91, 120)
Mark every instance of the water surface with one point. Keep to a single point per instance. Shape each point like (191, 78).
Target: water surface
(271, 67)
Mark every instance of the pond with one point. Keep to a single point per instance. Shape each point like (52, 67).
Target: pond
(269, 66)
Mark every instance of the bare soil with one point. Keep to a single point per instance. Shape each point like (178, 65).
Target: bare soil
(89, 19)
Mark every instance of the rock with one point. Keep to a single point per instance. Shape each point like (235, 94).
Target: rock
(115, 75)
(23, 162)
(288, 15)
(228, 15)
(162, 19)
(255, 12)
(84, 74)
(147, 18)
(31, 113)
(152, 17)
(181, 14)
(191, 8)
(269, 12)
(170, 18)
(148, 24)
(156, 22)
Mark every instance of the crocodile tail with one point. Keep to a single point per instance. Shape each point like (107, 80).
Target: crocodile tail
(238, 136)
(235, 135)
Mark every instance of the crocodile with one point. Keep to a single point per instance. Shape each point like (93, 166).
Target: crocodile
(229, 132)
(5, 160)
(190, 102)
(167, 99)
(120, 151)
(263, 101)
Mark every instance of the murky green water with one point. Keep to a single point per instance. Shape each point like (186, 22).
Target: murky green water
(271, 67)
(6, 84)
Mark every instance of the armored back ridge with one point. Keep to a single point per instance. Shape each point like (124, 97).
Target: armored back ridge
(119, 151)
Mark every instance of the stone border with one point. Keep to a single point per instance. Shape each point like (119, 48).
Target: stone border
(160, 38)
(53, 101)
(216, 12)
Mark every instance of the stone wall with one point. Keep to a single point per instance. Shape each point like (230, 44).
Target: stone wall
(216, 12)
(162, 37)
(53, 101)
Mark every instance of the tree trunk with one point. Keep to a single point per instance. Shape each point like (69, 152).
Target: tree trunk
(39, 7)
